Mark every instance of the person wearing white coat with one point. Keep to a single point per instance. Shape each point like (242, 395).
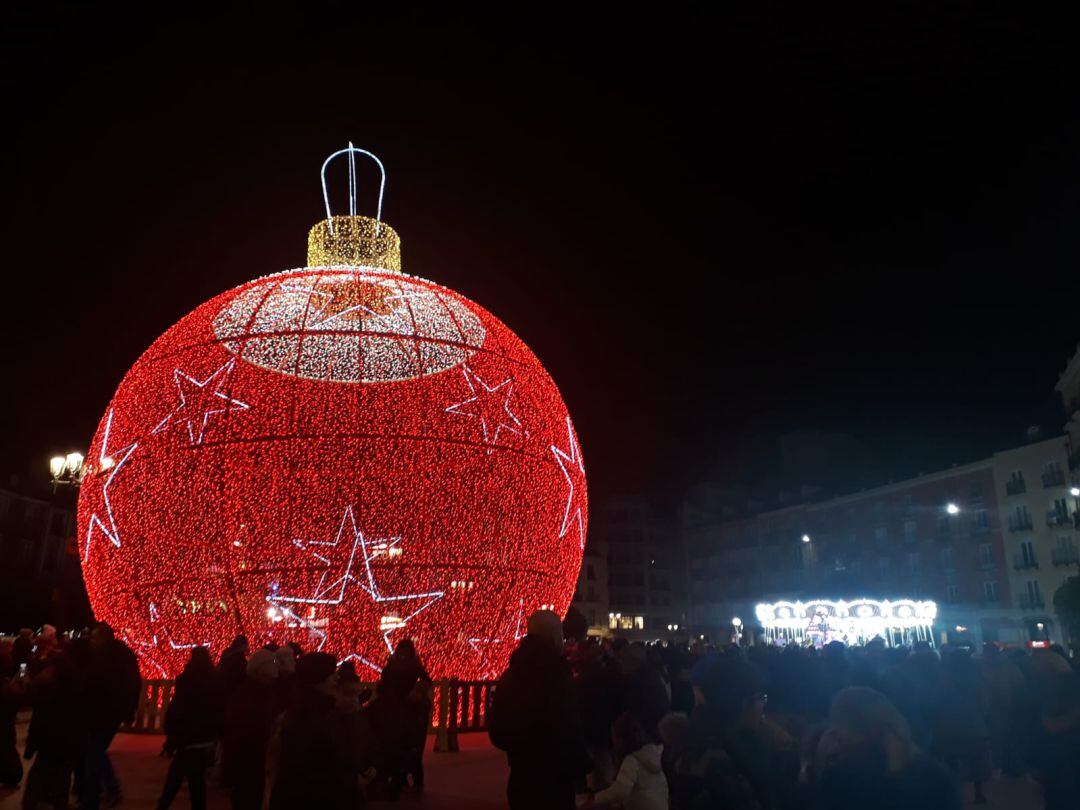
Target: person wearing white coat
(640, 783)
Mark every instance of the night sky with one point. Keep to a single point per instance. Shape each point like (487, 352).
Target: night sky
(713, 226)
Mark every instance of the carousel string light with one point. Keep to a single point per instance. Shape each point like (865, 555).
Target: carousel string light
(342, 455)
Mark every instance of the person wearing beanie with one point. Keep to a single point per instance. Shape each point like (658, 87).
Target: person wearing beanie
(535, 718)
(249, 716)
(310, 760)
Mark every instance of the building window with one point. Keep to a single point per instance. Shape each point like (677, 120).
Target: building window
(591, 594)
(1053, 476)
(1015, 485)
(58, 524)
(986, 555)
(911, 531)
(590, 573)
(883, 564)
(26, 551)
(950, 594)
(1021, 519)
(913, 562)
(1026, 557)
(621, 622)
(944, 526)
(881, 535)
(1033, 597)
(1065, 553)
(946, 559)
(981, 520)
(990, 592)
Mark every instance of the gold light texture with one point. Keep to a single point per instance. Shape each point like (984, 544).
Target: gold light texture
(356, 242)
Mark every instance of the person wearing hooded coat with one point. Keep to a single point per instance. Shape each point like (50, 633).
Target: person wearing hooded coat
(640, 783)
(402, 712)
(535, 718)
(192, 725)
(249, 716)
(309, 760)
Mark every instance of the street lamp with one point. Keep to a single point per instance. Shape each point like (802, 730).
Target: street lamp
(952, 509)
(67, 469)
(1074, 491)
(806, 538)
(736, 622)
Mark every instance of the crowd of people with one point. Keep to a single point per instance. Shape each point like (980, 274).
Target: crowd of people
(651, 727)
(275, 727)
(584, 723)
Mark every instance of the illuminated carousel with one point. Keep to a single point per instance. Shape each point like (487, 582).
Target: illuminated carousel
(857, 621)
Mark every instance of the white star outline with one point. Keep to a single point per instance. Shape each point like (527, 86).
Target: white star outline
(572, 457)
(155, 641)
(333, 593)
(228, 403)
(471, 378)
(104, 460)
(321, 319)
(474, 642)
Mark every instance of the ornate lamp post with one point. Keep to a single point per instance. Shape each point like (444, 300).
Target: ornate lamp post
(67, 470)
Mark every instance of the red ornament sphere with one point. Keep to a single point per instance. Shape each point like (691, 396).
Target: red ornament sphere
(338, 456)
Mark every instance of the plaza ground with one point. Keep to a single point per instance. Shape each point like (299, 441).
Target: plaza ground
(474, 778)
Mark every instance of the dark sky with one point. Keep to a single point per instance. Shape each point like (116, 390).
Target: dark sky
(713, 225)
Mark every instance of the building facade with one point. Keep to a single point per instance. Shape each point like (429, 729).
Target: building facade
(1039, 511)
(638, 567)
(591, 596)
(937, 537)
(1068, 386)
(38, 559)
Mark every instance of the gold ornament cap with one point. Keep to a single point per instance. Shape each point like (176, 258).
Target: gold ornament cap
(354, 240)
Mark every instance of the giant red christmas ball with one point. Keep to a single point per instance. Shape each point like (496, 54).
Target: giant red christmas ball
(343, 456)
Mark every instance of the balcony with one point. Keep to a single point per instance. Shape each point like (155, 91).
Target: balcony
(1025, 562)
(1029, 602)
(1018, 525)
(1074, 460)
(1015, 486)
(979, 530)
(1056, 517)
(1065, 556)
(1053, 478)
(943, 535)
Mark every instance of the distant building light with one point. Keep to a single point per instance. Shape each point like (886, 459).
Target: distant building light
(952, 509)
(1074, 491)
(806, 538)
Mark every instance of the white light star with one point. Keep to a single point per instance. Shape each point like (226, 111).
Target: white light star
(332, 590)
(197, 404)
(490, 404)
(571, 457)
(516, 637)
(114, 463)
